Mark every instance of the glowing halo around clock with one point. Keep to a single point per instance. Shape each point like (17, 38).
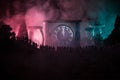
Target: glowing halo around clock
(63, 34)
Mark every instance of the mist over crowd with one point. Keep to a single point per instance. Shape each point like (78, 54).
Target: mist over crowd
(21, 59)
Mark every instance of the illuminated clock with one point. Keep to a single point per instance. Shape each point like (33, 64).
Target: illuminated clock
(63, 34)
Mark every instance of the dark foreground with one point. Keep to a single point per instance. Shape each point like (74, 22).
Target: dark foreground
(21, 61)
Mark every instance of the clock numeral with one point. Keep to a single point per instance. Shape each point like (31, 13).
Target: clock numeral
(71, 35)
(63, 27)
(55, 31)
(66, 28)
(59, 28)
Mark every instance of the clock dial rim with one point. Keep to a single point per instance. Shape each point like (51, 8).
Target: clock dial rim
(70, 32)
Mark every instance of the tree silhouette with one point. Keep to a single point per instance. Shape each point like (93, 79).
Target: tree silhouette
(5, 33)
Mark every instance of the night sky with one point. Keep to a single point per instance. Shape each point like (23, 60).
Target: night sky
(34, 12)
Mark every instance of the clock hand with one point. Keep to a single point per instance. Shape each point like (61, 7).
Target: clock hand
(63, 31)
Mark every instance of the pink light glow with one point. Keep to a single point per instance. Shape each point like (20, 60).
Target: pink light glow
(36, 36)
(34, 19)
(15, 22)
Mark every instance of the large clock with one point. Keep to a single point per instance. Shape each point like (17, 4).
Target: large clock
(63, 34)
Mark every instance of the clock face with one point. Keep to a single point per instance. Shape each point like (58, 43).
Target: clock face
(63, 34)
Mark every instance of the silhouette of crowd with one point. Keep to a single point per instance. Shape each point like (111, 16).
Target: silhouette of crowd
(21, 60)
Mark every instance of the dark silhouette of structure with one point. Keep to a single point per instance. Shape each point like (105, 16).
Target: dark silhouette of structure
(114, 37)
(23, 31)
(21, 60)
